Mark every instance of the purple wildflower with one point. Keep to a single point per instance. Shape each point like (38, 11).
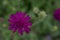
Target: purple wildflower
(48, 37)
(20, 22)
(57, 14)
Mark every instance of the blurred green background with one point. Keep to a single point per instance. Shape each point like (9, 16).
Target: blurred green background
(44, 27)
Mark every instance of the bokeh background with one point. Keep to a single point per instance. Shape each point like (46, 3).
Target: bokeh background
(44, 27)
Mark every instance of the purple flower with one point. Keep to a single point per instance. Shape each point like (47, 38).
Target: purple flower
(48, 37)
(57, 14)
(19, 22)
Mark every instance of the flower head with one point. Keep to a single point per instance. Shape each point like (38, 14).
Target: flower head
(42, 14)
(20, 22)
(36, 10)
(57, 14)
(48, 37)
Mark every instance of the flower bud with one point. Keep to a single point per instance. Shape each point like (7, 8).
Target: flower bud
(42, 14)
(36, 10)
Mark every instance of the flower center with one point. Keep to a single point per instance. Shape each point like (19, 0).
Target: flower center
(20, 24)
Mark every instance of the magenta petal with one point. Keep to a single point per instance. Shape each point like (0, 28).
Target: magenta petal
(20, 31)
(12, 16)
(11, 27)
(57, 14)
(27, 18)
(14, 29)
(29, 24)
(11, 21)
(21, 14)
(27, 30)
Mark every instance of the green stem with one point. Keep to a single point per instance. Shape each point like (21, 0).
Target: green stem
(12, 36)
